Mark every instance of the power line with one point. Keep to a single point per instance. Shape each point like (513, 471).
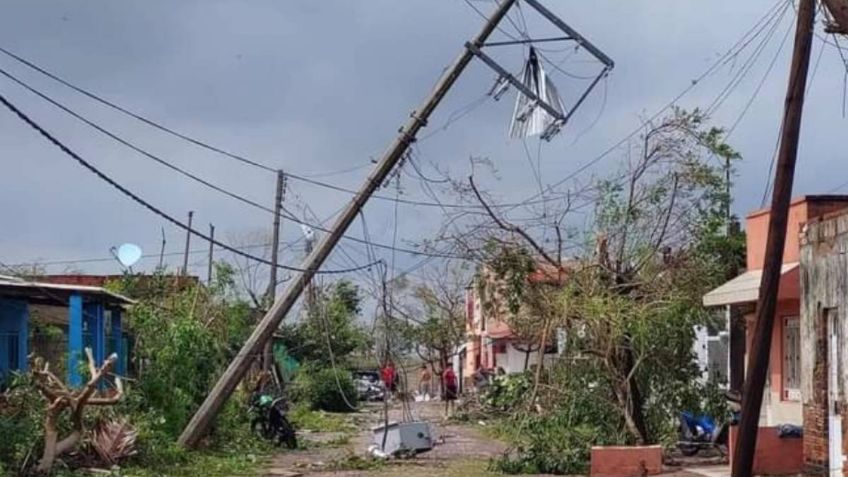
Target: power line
(750, 61)
(238, 157)
(734, 50)
(286, 213)
(132, 146)
(762, 82)
(141, 201)
(289, 246)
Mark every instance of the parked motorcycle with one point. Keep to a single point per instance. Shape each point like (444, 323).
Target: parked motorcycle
(701, 432)
(269, 421)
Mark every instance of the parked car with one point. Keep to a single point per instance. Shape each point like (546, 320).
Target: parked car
(368, 386)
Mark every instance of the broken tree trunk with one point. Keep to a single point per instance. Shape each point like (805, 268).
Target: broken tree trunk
(60, 398)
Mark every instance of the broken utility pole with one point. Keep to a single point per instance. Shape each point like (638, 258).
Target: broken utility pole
(200, 422)
(271, 294)
(752, 396)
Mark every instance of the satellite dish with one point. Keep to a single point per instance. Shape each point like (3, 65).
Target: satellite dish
(129, 254)
(308, 233)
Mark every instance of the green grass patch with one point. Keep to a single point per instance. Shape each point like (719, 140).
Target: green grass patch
(200, 463)
(303, 418)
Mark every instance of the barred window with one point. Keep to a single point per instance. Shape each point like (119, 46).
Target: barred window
(791, 358)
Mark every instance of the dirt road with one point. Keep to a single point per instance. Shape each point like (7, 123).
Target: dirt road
(461, 450)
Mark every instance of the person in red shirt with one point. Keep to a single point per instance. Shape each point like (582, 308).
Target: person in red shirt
(389, 376)
(450, 390)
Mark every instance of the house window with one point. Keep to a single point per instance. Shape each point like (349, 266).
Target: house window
(791, 359)
(718, 350)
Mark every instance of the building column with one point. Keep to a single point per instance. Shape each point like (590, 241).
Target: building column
(96, 327)
(738, 341)
(118, 341)
(75, 346)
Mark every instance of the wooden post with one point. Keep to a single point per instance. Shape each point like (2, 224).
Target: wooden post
(211, 253)
(187, 243)
(271, 293)
(752, 396)
(201, 421)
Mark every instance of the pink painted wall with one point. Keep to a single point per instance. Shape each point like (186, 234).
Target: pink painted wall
(626, 461)
(801, 211)
(773, 455)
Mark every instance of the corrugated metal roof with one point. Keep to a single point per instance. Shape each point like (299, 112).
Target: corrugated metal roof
(743, 289)
(56, 292)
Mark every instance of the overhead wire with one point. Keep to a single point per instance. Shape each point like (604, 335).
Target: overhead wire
(284, 212)
(136, 198)
(747, 38)
(760, 85)
(749, 62)
(132, 146)
(308, 179)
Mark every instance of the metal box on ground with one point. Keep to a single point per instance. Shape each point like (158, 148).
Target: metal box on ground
(412, 437)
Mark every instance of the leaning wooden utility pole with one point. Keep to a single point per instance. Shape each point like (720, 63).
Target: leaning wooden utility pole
(271, 293)
(200, 422)
(752, 396)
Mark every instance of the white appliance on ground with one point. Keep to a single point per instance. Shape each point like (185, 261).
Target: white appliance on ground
(403, 437)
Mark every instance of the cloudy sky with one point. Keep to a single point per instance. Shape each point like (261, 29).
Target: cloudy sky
(320, 87)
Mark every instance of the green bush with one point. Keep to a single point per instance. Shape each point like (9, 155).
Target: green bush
(579, 413)
(325, 389)
(507, 392)
(21, 420)
(553, 444)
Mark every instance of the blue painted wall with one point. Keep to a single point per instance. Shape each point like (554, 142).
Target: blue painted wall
(117, 336)
(75, 343)
(14, 336)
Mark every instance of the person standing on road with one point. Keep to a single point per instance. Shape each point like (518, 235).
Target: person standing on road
(389, 376)
(425, 382)
(450, 391)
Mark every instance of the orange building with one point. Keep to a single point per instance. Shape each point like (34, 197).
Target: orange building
(492, 344)
(782, 401)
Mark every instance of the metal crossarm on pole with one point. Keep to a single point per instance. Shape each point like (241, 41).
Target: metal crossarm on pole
(572, 33)
(515, 82)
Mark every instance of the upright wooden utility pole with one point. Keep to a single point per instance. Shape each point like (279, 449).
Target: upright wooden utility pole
(211, 252)
(752, 396)
(188, 243)
(271, 293)
(199, 424)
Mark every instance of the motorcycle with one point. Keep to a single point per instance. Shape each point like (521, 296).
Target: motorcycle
(269, 421)
(701, 432)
